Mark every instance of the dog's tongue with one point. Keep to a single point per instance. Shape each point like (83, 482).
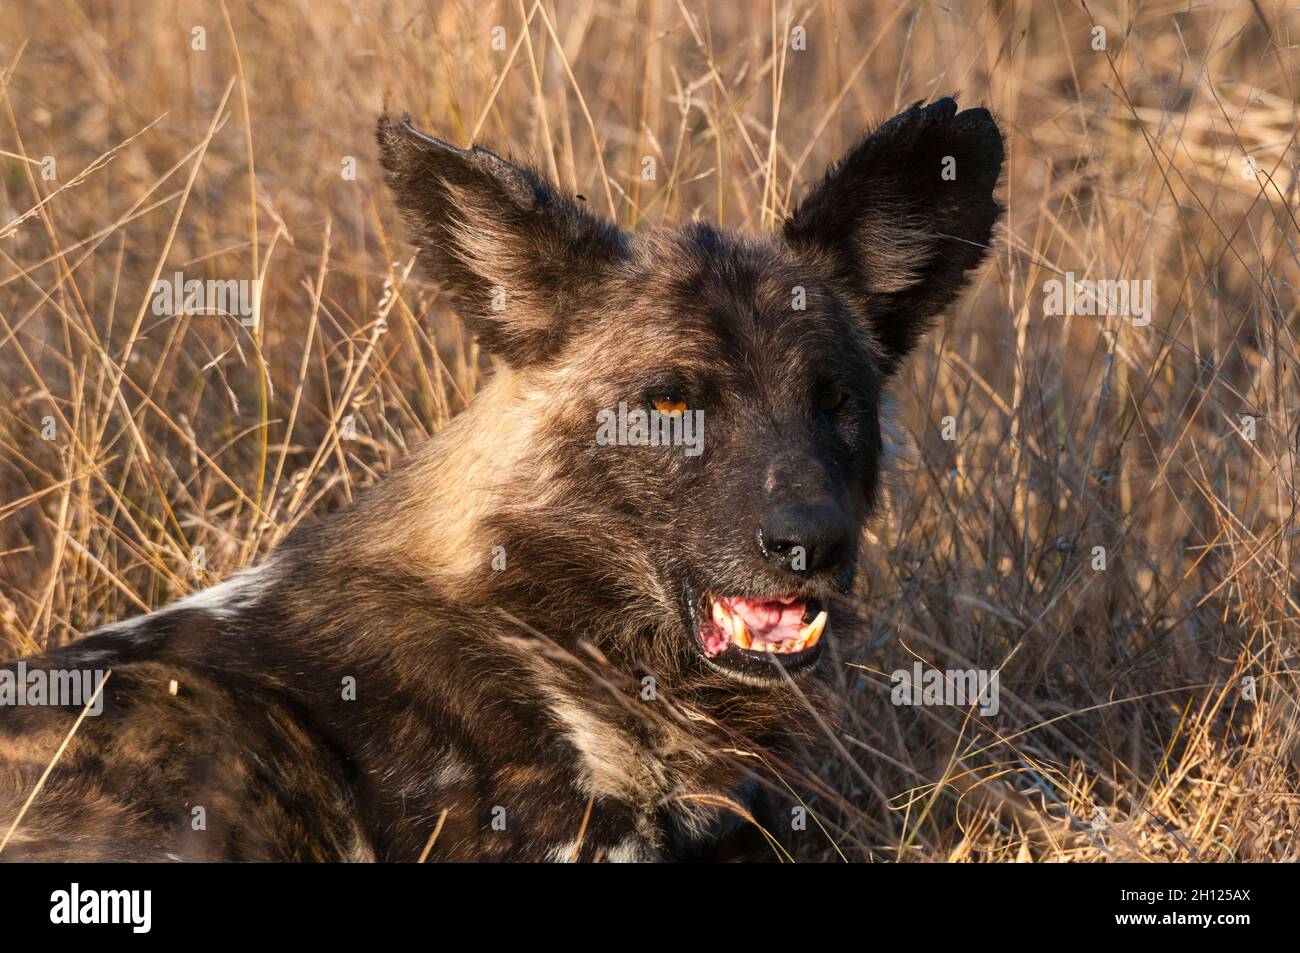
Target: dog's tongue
(772, 620)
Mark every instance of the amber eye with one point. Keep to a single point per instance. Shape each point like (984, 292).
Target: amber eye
(830, 399)
(668, 405)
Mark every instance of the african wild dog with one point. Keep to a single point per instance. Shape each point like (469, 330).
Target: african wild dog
(655, 611)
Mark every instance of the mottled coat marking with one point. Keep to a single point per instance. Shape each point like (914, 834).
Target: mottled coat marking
(619, 688)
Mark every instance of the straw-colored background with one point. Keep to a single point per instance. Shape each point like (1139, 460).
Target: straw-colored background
(1123, 733)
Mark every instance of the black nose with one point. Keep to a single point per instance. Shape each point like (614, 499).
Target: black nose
(805, 538)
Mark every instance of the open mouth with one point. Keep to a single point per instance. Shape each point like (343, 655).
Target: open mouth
(749, 633)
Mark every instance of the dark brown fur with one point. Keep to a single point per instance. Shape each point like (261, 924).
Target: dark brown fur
(521, 693)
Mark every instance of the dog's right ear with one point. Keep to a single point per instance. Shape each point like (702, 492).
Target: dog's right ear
(516, 255)
(902, 221)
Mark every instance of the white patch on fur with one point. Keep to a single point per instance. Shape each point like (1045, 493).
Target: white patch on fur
(631, 850)
(362, 852)
(225, 600)
(450, 772)
(564, 853)
(228, 597)
(612, 766)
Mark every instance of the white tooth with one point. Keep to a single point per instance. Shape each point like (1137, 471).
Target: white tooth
(810, 633)
(739, 632)
(798, 644)
(721, 618)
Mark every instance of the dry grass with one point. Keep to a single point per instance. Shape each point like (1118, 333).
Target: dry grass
(1121, 689)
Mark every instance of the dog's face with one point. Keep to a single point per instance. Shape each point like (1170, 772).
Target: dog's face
(714, 398)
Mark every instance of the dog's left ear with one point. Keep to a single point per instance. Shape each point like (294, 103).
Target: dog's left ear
(902, 219)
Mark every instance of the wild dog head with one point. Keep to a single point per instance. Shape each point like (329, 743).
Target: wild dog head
(703, 406)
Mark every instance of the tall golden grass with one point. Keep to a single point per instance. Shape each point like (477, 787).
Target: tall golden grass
(1125, 730)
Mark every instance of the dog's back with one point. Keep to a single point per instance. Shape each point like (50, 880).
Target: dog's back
(178, 755)
(271, 726)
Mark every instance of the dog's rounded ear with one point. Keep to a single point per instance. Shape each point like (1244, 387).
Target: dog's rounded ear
(903, 218)
(517, 256)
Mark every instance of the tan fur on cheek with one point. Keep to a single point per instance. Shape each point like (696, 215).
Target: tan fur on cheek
(432, 513)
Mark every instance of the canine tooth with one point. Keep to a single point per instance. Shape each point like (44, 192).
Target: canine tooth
(721, 618)
(810, 633)
(739, 632)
